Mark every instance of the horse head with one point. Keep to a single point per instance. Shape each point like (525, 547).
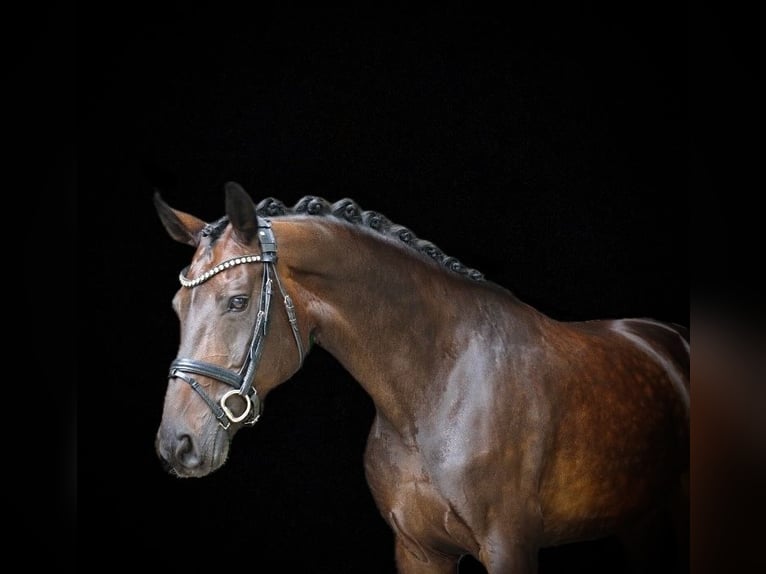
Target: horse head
(233, 347)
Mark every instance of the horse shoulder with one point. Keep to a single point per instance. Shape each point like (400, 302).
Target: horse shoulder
(409, 498)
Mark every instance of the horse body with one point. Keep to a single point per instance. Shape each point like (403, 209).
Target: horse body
(498, 430)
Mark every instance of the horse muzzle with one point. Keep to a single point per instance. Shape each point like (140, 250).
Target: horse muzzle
(183, 455)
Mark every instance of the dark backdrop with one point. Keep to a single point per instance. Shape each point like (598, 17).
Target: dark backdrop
(544, 147)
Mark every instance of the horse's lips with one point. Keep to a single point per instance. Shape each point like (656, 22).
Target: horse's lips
(198, 472)
(212, 458)
(207, 466)
(220, 450)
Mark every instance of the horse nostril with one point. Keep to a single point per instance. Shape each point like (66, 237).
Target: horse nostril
(185, 453)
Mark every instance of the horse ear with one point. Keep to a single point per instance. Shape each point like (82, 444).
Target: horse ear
(181, 226)
(241, 211)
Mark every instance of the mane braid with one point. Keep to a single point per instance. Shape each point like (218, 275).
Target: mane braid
(349, 210)
(214, 229)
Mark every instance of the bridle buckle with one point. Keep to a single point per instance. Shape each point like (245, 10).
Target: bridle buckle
(227, 410)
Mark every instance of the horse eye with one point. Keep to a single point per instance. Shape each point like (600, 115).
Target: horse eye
(237, 303)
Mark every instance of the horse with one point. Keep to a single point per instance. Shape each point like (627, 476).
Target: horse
(498, 430)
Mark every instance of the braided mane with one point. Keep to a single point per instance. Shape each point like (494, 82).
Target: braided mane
(349, 210)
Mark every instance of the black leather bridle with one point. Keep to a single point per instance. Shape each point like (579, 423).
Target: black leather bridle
(242, 380)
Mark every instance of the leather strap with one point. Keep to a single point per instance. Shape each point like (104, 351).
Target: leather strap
(215, 407)
(206, 370)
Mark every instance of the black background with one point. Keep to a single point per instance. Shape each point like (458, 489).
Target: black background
(545, 147)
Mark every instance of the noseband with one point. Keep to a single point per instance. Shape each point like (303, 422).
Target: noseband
(242, 380)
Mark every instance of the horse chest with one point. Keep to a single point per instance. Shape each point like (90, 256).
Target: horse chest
(424, 503)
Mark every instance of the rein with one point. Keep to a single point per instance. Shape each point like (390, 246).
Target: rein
(242, 380)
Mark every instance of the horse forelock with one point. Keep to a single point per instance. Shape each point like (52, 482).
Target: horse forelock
(212, 231)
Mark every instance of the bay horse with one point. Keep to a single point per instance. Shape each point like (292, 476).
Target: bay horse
(498, 430)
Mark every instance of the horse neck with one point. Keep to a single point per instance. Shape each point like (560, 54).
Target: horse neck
(387, 315)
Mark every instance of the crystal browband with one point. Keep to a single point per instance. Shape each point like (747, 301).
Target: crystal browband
(189, 283)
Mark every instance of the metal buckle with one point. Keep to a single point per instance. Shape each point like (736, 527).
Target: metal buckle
(227, 410)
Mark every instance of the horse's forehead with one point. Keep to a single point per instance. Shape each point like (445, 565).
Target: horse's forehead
(210, 252)
(213, 249)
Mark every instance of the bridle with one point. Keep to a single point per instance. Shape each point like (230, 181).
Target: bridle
(242, 380)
